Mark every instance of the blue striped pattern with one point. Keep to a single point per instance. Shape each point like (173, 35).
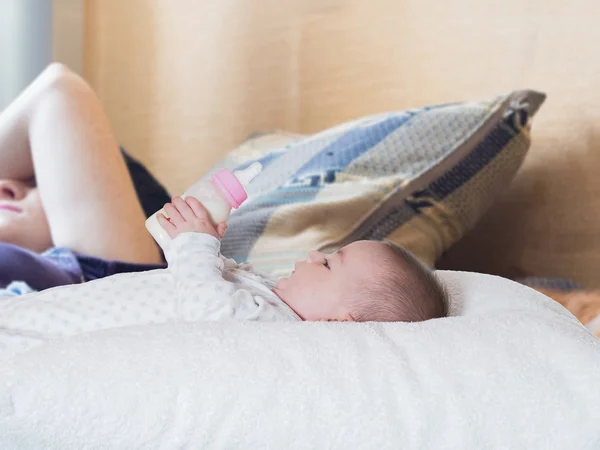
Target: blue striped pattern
(483, 154)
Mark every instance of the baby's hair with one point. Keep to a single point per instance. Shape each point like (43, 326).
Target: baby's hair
(409, 292)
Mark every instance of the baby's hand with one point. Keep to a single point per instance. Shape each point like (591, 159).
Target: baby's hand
(189, 215)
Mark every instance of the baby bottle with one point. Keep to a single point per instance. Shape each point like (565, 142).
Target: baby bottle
(224, 191)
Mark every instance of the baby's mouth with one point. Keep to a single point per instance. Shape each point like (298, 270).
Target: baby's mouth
(11, 208)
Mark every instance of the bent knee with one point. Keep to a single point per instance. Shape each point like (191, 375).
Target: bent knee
(59, 76)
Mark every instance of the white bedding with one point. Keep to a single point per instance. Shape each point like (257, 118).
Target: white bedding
(513, 371)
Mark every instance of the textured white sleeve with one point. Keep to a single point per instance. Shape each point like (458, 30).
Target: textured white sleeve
(197, 269)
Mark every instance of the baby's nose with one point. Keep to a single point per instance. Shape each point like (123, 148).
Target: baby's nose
(315, 257)
(10, 190)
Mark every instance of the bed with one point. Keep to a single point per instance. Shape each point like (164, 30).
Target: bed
(185, 86)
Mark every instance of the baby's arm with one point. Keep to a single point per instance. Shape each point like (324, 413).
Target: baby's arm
(195, 262)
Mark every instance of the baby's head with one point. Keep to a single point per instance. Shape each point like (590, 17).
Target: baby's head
(365, 281)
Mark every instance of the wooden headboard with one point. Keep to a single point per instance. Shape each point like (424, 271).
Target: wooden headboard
(186, 81)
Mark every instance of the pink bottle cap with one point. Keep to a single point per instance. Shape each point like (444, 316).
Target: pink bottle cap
(231, 187)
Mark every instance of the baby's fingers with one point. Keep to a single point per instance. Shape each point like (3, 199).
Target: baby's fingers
(197, 207)
(173, 214)
(184, 209)
(167, 225)
(221, 229)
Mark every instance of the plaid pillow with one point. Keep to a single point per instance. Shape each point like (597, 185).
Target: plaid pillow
(420, 178)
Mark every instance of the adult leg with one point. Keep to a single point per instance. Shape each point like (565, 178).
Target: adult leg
(57, 131)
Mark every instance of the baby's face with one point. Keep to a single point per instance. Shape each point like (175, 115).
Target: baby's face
(324, 286)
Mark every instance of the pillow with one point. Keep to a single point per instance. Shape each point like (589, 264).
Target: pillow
(419, 178)
(509, 369)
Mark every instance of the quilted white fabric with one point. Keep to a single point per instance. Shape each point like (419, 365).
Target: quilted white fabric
(510, 369)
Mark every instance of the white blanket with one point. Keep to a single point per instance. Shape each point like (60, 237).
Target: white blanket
(514, 371)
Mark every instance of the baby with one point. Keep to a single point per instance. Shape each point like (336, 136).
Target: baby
(364, 281)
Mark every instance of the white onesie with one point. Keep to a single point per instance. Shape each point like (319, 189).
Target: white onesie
(199, 284)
